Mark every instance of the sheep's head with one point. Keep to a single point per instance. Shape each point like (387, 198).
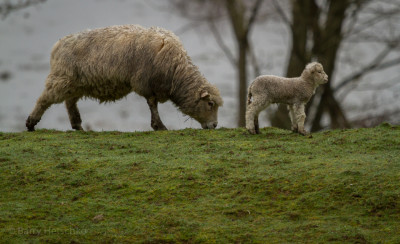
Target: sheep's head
(316, 73)
(205, 108)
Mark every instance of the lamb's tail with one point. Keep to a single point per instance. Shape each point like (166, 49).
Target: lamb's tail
(249, 95)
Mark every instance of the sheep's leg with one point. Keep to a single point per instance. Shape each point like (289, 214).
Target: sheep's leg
(292, 118)
(300, 118)
(156, 122)
(252, 111)
(42, 104)
(55, 92)
(73, 113)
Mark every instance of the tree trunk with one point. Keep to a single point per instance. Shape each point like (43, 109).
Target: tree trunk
(329, 104)
(236, 10)
(298, 56)
(325, 41)
(242, 88)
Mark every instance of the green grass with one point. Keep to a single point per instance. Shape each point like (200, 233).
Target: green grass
(195, 186)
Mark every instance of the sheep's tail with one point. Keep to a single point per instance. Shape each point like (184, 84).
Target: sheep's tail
(249, 95)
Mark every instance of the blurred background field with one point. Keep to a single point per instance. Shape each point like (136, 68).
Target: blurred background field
(362, 57)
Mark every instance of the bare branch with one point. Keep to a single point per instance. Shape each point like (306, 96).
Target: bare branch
(389, 84)
(188, 27)
(378, 15)
(254, 62)
(374, 120)
(253, 15)
(353, 19)
(374, 65)
(221, 43)
(386, 85)
(7, 7)
(282, 14)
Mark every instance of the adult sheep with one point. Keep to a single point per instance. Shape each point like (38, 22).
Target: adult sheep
(109, 63)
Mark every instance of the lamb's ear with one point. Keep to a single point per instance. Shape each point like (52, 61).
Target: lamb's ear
(204, 94)
(311, 67)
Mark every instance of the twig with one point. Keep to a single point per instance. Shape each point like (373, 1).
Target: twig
(221, 43)
(282, 14)
(6, 7)
(253, 16)
(375, 64)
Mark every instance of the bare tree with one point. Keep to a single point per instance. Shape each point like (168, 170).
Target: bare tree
(8, 6)
(320, 28)
(241, 15)
(323, 30)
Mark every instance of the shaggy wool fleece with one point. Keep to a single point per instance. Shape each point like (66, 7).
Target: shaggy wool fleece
(109, 63)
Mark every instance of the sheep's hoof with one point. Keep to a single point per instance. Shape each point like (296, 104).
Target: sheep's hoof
(30, 124)
(252, 131)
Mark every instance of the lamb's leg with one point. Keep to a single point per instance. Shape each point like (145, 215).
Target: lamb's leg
(73, 113)
(256, 125)
(252, 111)
(156, 122)
(42, 104)
(292, 118)
(300, 118)
(250, 119)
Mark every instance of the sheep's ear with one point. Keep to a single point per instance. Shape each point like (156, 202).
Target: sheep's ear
(204, 95)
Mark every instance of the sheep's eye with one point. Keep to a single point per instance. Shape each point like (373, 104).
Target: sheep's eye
(211, 103)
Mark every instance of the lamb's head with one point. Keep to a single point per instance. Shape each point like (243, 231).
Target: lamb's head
(205, 106)
(315, 72)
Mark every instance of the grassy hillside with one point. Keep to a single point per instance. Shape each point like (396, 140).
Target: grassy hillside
(195, 186)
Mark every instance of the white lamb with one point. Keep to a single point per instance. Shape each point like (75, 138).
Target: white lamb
(295, 92)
